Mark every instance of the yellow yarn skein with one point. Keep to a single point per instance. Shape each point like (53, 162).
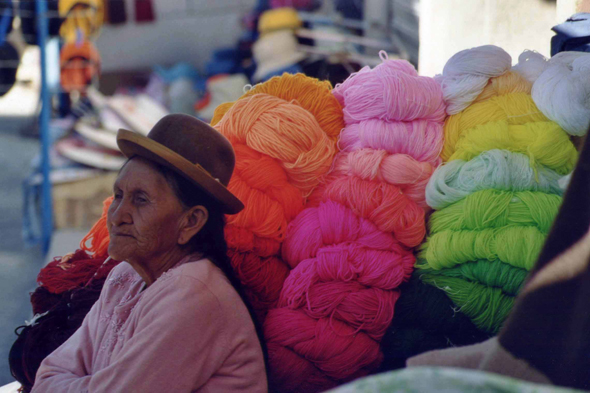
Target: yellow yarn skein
(312, 94)
(545, 143)
(514, 108)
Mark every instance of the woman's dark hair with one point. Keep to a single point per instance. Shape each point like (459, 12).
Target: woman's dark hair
(210, 240)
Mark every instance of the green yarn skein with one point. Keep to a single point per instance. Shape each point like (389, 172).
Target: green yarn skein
(518, 246)
(496, 274)
(497, 208)
(487, 307)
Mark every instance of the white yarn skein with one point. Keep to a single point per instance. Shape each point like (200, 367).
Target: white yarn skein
(467, 73)
(530, 65)
(562, 91)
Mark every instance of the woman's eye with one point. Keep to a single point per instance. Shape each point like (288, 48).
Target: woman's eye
(118, 196)
(140, 199)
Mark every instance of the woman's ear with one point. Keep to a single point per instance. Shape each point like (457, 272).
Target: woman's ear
(193, 221)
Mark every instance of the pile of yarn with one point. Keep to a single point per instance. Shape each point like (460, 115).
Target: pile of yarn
(280, 133)
(498, 193)
(351, 248)
(68, 287)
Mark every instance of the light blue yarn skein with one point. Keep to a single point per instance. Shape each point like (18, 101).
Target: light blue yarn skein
(492, 169)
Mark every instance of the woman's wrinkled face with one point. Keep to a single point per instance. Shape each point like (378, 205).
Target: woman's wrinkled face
(144, 216)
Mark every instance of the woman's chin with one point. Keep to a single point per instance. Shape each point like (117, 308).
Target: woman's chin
(119, 252)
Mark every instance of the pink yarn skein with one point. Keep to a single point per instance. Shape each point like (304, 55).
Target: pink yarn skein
(350, 249)
(420, 139)
(391, 91)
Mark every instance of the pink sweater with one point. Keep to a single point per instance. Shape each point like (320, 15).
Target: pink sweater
(188, 332)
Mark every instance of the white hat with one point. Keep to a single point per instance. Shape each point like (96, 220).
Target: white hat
(275, 51)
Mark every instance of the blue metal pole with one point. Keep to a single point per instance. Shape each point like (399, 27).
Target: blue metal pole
(42, 35)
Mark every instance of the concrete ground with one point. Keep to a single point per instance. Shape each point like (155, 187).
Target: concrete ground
(19, 265)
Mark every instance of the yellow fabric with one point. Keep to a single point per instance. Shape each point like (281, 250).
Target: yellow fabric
(84, 15)
(278, 19)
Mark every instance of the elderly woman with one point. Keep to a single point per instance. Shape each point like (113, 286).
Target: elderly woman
(170, 318)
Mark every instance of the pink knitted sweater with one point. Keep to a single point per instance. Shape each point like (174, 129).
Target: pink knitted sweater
(188, 332)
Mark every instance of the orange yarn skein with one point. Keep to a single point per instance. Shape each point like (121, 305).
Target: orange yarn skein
(98, 236)
(284, 131)
(312, 94)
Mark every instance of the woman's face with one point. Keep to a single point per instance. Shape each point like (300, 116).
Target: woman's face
(143, 220)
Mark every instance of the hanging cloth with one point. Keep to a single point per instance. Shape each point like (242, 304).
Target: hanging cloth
(144, 11)
(116, 12)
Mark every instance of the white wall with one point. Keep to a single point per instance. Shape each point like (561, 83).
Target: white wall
(184, 30)
(448, 26)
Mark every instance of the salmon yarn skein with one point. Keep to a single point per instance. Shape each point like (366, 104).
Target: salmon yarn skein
(399, 170)
(284, 131)
(312, 94)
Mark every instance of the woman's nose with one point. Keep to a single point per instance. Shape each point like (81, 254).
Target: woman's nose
(119, 212)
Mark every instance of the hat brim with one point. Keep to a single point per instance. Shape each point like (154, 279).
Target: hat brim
(133, 144)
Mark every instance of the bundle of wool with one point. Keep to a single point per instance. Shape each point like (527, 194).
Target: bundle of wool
(391, 91)
(499, 192)
(513, 108)
(280, 131)
(349, 249)
(467, 73)
(313, 95)
(492, 169)
(420, 139)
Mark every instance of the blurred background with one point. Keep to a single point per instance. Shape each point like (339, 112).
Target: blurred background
(73, 72)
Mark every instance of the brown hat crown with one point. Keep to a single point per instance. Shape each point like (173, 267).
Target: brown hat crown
(197, 142)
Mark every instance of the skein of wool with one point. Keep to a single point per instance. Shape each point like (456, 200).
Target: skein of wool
(332, 223)
(497, 169)
(262, 278)
(72, 271)
(496, 208)
(487, 306)
(516, 245)
(399, 170)
(545, 143)
(425, 320)
(561, 92)
(284, 131)
(495, 274)
(63, 315)
(391, 91)
(510, 82)
(342, 301)
(467, 73)
(98, 236)
(325, 345)
(313, 95)
(530, 65)
(270, 201)
(513, 108)
(381, 203)
(420, 139)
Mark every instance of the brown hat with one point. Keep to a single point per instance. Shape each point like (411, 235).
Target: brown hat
(191, 148)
